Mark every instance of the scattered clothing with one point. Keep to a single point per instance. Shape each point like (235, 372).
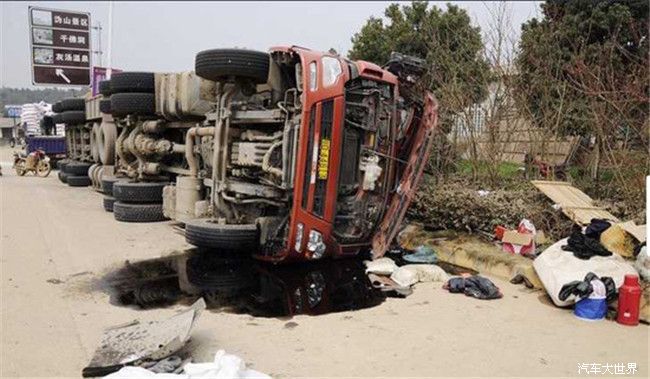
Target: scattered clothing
(474, 286)
(582, 289)
(422, 254)
(555, 268)
(597, 227)
(584, 247)
(388, 286)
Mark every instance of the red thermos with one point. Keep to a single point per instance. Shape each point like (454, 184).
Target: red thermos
(629, 300)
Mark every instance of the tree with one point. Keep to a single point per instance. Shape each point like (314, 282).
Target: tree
(584, 69)
(445, 38)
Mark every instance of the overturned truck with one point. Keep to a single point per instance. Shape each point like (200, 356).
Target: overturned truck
(289, 155)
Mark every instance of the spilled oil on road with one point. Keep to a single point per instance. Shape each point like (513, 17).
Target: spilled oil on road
(239, 285)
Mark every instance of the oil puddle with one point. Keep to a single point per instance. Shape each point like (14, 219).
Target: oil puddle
(243, 285)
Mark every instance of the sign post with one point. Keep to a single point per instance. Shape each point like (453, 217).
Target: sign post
(60, 47)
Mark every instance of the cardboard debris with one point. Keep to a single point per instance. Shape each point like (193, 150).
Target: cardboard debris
(514, 237)
(638, 231)
(574, 203)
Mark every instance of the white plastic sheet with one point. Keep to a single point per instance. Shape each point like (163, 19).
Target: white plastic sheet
(224, 366)
(556, 267)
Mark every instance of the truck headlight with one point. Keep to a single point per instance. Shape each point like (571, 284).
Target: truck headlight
(299, 229)
(315, 245)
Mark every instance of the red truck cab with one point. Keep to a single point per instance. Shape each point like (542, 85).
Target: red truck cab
(362, 151)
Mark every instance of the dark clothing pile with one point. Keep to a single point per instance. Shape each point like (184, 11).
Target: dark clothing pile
(474, 286)
(587, 245)
(583, 289)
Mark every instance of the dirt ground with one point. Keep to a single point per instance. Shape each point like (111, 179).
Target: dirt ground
(57, 240)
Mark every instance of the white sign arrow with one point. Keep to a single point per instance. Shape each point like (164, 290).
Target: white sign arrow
(59, 72)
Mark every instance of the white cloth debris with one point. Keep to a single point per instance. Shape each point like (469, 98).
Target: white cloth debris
(642, 264)
(381, 266)
(225, 366)
(483, 193)
(417, 273)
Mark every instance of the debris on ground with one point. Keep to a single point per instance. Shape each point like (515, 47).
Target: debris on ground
(575, 204)
(584, 247)
(136, 342)
(474, 286)
(422, 254)
(520, 241)
(224, 366)
(629, 301)
(387, 285)
(557, 267)
(410, 274)
(642, 263)
(617, 240)
(381, 266)
(474, 254)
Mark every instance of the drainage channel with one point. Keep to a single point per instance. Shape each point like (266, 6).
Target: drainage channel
(243, 285)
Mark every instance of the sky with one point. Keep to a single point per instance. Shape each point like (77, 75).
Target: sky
(165, 36)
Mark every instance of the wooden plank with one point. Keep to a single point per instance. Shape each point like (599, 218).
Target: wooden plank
(577, 205)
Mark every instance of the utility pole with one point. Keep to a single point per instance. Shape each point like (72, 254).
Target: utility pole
(99, 52)
(110, 39)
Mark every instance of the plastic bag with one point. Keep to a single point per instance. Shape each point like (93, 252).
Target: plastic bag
(381, 266)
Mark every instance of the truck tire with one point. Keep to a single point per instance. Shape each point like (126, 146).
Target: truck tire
(105, 106)
(105, 88)
(132, 82)
(106, 142)
(108, 203)
(207, 233)
(60, 165)
(107, 185)
(138, 192)
(73, 117)
(128, 212)
(78, 181)
(77, 168)
(57, 108)
(138, 104)
(216, 64)
(63, 177)
(73, 104)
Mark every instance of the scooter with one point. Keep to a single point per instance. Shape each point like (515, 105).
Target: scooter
(37, 162)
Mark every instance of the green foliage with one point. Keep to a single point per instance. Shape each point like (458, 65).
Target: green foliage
(582, 52)
(445, 38)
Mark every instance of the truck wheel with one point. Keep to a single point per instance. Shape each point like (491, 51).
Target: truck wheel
(138, 192)
(137, 212)
(108, 203)
(60, 165)
(57, 108)
(208, 233)
(57, 119)
(104, 89)
(139, 104)
(63, 177)
(73, 117)
(132, 82)
(105, 106)
(106, 142)
(73, 104)
(77, 168)
(216, 64)
(78, 181)
(107, 185)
